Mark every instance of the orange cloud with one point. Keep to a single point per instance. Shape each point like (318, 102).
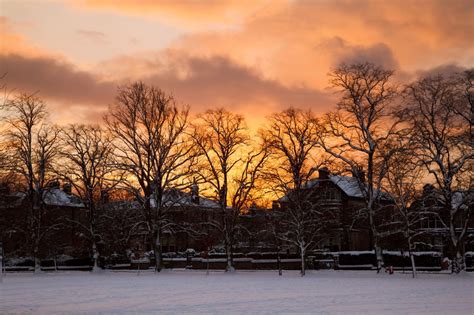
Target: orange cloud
(200, 82)
(218, 81)
(13, 42)
(55, 79)
(252, 58)
(187, 14)
(298, 42)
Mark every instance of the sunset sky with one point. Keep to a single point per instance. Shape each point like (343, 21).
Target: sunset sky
(252, 57)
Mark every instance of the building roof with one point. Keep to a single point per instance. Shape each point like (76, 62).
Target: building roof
(460, 199)
(348, 184)
(51, 197)
(58, 197)
(179, 198)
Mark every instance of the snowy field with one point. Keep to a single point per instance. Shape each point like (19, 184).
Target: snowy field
(259, 292)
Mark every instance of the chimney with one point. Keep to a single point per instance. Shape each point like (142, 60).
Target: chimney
(253, 208)
(54, 184)
(359, 173)
(428, 189)
(323, 173)
(104, 196)
(67, 188)
(195, 193)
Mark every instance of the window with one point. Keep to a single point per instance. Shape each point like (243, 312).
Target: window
(330, 194)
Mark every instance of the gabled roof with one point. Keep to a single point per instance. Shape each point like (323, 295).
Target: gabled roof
(348, 184)
(58, 197)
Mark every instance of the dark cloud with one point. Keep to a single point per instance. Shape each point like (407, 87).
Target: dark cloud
(217, 81)
(450, 23)
(55, 79)
(379, 54)
(343, 52)
(446, 69)
(207, 82)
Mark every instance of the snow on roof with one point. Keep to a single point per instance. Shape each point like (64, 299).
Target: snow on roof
(53, 197)
(57, 197)
(459, 199)
(349, 185)
(352, 188)
(462, 199)
(175, 197)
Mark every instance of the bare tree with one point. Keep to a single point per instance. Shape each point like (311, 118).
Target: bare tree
(33, 148)
(228, 168)
(404, 177)
(87, 156)
(120, 219)
(464, 105)
(358, 130)
(3, 126)
(151, 145)
(291, 136)
(439, 109)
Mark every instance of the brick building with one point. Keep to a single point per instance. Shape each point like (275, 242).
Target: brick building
(344, 196)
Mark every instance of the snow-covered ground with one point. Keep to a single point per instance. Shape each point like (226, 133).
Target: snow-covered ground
(259, 292)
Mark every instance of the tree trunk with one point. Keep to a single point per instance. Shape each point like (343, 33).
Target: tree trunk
(37, 261)
(279, 262)
(458, 261)
(371, 240)
(95, 257)
(37, 234)
(412, 259)
(413, 267)
(303, 267)
(229, 267)
(37, 265)
(379, 257)
(228, 250)
(157, 252)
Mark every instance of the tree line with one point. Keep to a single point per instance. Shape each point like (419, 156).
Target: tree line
(394, 137)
